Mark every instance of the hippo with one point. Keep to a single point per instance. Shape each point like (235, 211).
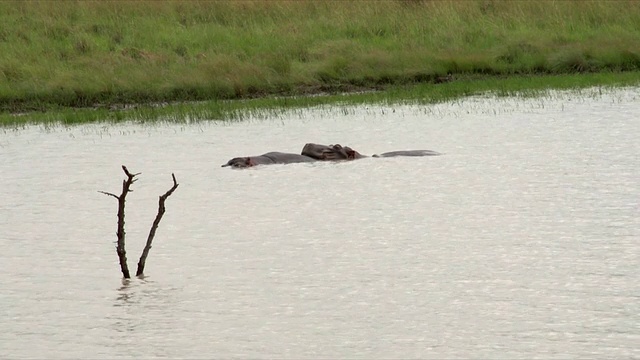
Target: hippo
(408, 153)
(339, 152)
(316, 152)
(268, 158)
(331, 152)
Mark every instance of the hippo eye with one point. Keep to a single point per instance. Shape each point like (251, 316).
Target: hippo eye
(351, 154)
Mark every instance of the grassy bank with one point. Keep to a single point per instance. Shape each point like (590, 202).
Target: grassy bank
(60, 54)
(230, 110)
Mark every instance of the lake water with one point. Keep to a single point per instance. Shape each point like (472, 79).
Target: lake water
(521, 241)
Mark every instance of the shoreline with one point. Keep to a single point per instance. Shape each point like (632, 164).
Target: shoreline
(239, 109)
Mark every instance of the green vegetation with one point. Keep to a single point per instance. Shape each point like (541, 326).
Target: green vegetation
(273, 106)
(63, 55)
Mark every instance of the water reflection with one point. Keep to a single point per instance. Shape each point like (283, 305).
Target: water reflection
(125, 293)
(142, 308)
(128, 299)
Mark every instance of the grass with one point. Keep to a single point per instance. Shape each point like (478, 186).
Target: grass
(230, 110)
(60, 56)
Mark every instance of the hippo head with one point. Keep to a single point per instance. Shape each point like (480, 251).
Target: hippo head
(239, 162)
(331, 152)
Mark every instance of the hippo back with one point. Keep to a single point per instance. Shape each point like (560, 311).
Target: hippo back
(286, 158)
(409, 153)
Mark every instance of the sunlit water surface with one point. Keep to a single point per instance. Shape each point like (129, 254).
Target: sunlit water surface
(521, 241)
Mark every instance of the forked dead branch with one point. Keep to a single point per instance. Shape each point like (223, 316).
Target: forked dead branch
(120, 247)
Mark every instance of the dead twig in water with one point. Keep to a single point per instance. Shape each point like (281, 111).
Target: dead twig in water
(120, 248)
(154, 227)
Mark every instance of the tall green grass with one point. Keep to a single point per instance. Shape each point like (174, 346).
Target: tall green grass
(57, 54)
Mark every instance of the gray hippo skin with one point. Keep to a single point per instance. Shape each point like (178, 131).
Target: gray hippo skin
(409, 153)
(331, 152)
(268, 158)
(339, 152)
(313, 152)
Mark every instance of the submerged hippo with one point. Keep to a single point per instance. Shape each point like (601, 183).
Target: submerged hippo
(314, 152)
(331, 152)
(339, 152)
(268, 158)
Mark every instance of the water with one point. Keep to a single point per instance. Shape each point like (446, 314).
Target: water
(522, 241)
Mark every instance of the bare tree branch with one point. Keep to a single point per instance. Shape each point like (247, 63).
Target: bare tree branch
(126, 171)
(154, 227)
(120, 248)
(110, 194)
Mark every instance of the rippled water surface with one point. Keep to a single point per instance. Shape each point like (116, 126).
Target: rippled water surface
(522, 241)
